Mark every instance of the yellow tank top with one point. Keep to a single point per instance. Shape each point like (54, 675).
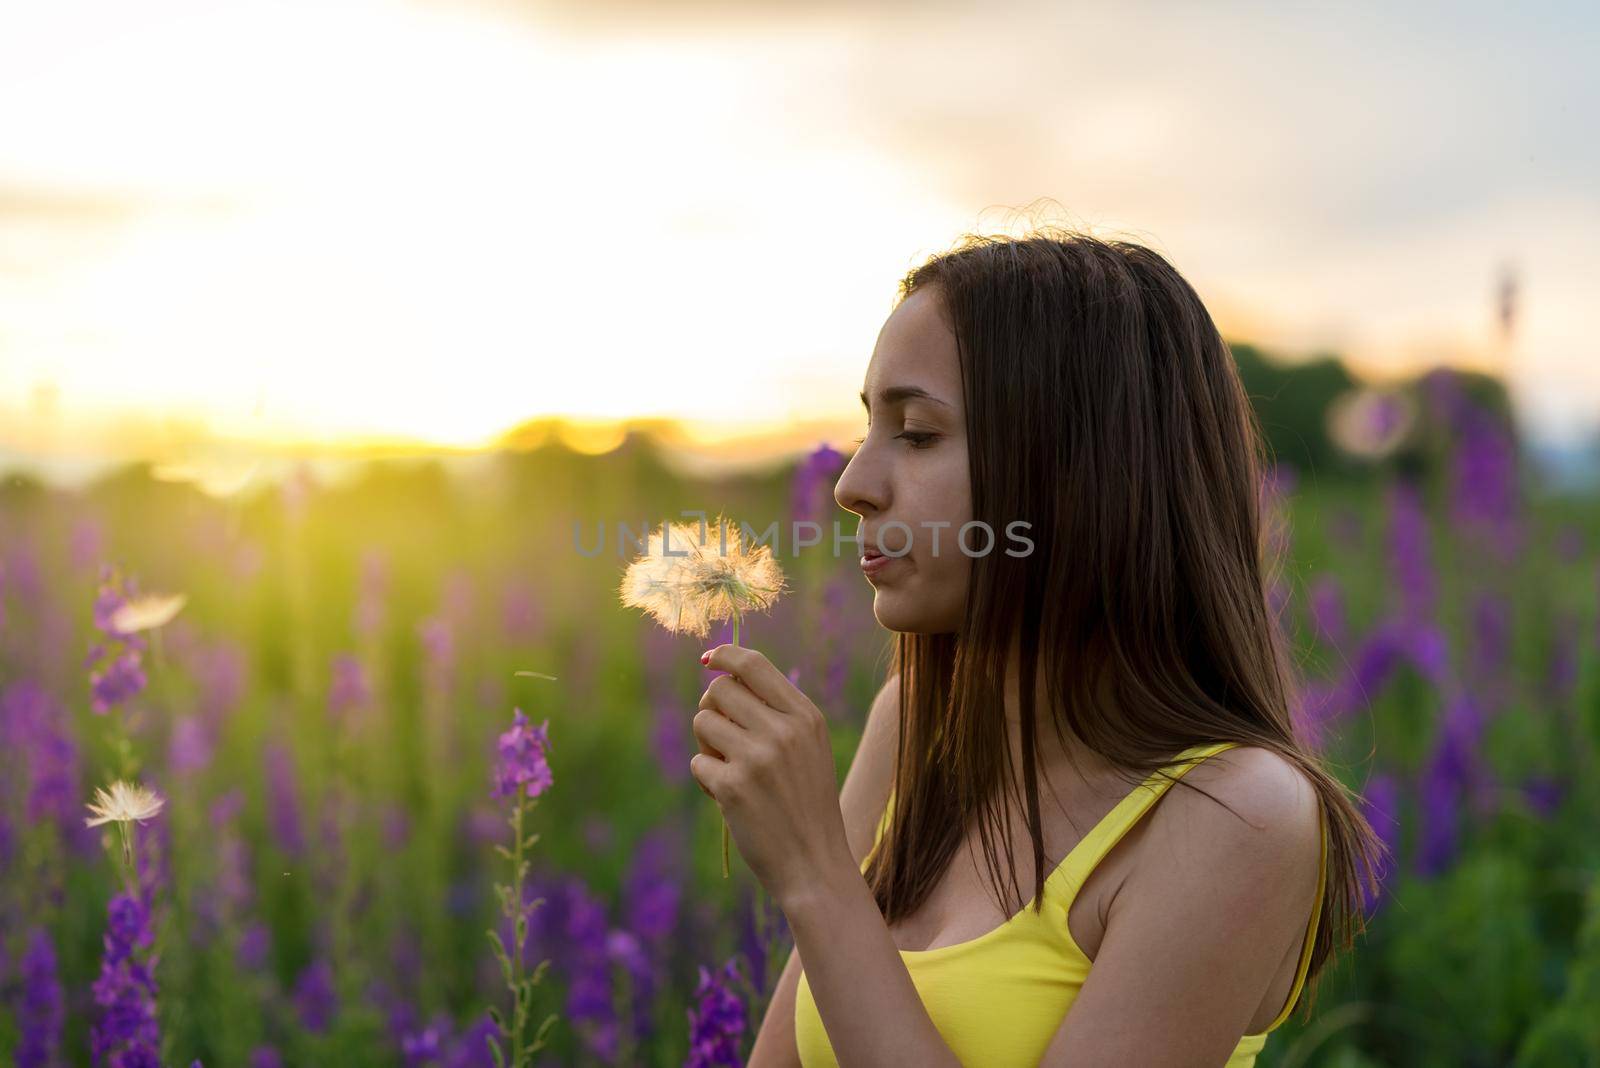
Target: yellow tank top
(999, 999)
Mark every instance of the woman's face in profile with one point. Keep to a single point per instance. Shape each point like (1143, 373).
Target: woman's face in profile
(908, 481)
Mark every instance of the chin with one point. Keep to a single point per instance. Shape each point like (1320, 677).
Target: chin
(898, 612)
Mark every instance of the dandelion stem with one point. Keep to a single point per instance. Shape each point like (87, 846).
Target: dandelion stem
(128, 870)
(736, 614)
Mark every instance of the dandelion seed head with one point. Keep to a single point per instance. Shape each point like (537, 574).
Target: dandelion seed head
(146, 612)
(124, 802)
(702, 581)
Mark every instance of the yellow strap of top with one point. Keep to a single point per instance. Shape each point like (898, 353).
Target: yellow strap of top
(1109, 831)
(1094, 846)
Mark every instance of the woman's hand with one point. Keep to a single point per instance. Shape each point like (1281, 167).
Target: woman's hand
(767, 760)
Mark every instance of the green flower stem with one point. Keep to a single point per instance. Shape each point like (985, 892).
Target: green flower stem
(519, 933)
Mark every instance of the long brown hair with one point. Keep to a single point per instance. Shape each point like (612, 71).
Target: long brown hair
(1103, 407)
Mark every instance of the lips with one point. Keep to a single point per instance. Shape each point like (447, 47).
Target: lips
(873, 561)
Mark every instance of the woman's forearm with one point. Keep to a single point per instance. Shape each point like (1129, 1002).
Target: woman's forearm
(864, 994)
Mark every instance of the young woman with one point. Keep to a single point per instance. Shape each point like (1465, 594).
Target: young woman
(1099, 635)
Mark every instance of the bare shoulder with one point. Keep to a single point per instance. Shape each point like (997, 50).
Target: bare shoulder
(865, 792)
(1262, 813)
(1217, 898)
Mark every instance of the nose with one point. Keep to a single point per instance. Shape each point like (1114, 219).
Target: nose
(860, 489)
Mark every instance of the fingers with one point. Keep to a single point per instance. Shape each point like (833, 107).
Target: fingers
(733, 699)
(715, 731)
(712, 752)
(707, 772)
(759, 674)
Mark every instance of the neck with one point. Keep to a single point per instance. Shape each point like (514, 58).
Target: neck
(1052, 751)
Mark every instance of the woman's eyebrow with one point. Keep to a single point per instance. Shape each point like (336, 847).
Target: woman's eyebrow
(897, 394)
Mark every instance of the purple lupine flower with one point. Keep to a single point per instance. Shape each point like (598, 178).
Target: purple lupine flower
(283, 800)
(1280, 480)
(1410, 553)
(191, 747)
(1380, 804)
(425, 1046)
(651, 896)
(589, 995)
(1377, 657)
(1316, 703)
(669, 741)
(652, 891)
(439, 652)
(1446, 395)
(471, 1047)
(522, 763)
(34, 722)
(127, 1032)
(1328, 611)
(255, 943)
(348, 688)
(396, 826)
(814, 475)
(314, 998)
(119, 681)
(265, 1057)
(1429, 651)
(547, 924)
(222, 670)
(717, 1022)
(116, 662)
(42, 1011)
(228, 897)
(521, 615)
(762, 930)
(1452, 775)
(482, 825)
(1544, 794)
(835, 607)
(1484, 478)
(625, 951)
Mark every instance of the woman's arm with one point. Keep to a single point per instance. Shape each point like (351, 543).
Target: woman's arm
(1196, 933)
(861, 802)
(777, 786)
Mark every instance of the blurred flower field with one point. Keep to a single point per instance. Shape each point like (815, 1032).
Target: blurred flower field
(350, 765)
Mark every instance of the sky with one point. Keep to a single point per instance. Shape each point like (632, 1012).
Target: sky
(333, 221)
